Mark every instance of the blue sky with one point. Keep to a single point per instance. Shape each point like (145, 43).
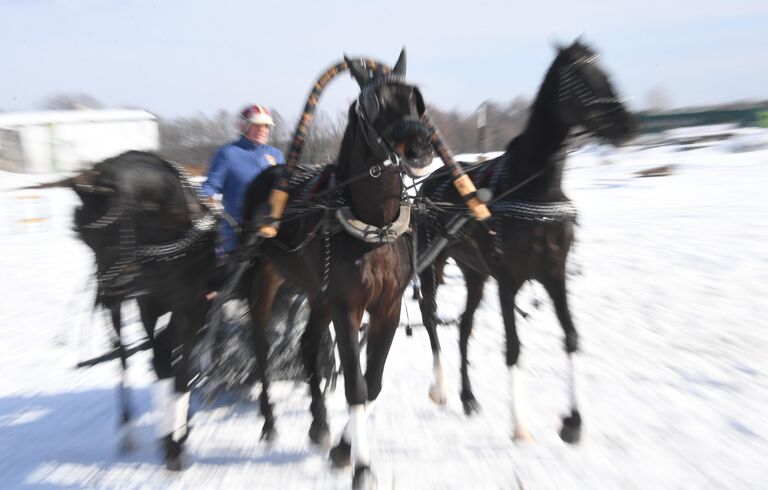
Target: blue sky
(176, 57)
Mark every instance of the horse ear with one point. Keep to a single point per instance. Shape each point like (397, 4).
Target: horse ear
(357, 70)
(557, 45)
(400, 65)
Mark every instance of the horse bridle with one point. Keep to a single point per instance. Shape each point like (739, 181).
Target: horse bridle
(367, 109)
(574, 89)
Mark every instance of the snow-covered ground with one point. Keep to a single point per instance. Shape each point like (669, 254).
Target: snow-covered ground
(668, 283)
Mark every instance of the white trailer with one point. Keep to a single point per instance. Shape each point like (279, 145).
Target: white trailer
(63, 141)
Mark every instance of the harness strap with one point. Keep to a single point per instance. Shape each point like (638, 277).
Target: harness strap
(540, 212)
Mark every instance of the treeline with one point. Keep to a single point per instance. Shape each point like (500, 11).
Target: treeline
(193, 140)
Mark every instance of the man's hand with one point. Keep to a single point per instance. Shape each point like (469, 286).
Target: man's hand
(214, 205)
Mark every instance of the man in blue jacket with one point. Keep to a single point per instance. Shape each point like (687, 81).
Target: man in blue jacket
(233, 168)
(235, 165)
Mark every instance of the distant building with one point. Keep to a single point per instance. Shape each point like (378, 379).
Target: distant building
(56, 141)
(752, 116)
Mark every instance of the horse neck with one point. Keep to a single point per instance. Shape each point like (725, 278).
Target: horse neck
(375, 201)
(540, 148)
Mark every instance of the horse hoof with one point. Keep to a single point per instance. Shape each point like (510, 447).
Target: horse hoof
(126, 441)
(268, 433)
(470, 405)
(127, 445)
(172, 450)
(320, 435)
(341, 454)
(571, 431)
(363, 479)
(173, 464)
(437, 395)
(409, 331)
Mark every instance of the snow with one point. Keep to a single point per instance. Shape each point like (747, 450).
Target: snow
(667, 285)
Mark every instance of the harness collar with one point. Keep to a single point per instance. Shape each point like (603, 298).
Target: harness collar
(374, 234)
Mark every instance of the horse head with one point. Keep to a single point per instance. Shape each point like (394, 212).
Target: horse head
(98, 206)
(586, 96)
(390, 112)
(98, 222)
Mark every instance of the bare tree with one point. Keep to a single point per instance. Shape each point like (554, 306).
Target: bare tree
(505, 122)
(193, 140)
(282, 132)
(70, 101)
(322, 146)
(459, 130)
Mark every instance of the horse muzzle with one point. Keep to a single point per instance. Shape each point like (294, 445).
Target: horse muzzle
(412, 141)
(614, 125)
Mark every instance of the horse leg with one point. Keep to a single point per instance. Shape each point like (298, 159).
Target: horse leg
(171, 394)
(380, 335)
(571, 430)
(346, 322)
(475, 282)
(381, 332)
(508, 289)
(127, 443)
(149, 315)
(428, 307)
(265, 284)
(311, 339)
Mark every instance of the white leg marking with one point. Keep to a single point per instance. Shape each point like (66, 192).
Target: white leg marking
(361, 454)
(572, 379)
(437, 391)
(346, 436)
(520, 432)
(173, 408)
(181, 412)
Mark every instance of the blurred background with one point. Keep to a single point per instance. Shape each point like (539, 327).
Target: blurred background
(194, 66)
(667, 279)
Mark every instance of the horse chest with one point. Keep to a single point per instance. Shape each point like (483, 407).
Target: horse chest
(382, 273)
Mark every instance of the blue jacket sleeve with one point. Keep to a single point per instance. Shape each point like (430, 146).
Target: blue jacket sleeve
(214, 183)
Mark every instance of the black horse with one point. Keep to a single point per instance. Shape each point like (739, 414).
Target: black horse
(153, 240)
(531, 231)
(349, 254)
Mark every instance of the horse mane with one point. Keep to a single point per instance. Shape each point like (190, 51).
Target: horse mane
(565, 55)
